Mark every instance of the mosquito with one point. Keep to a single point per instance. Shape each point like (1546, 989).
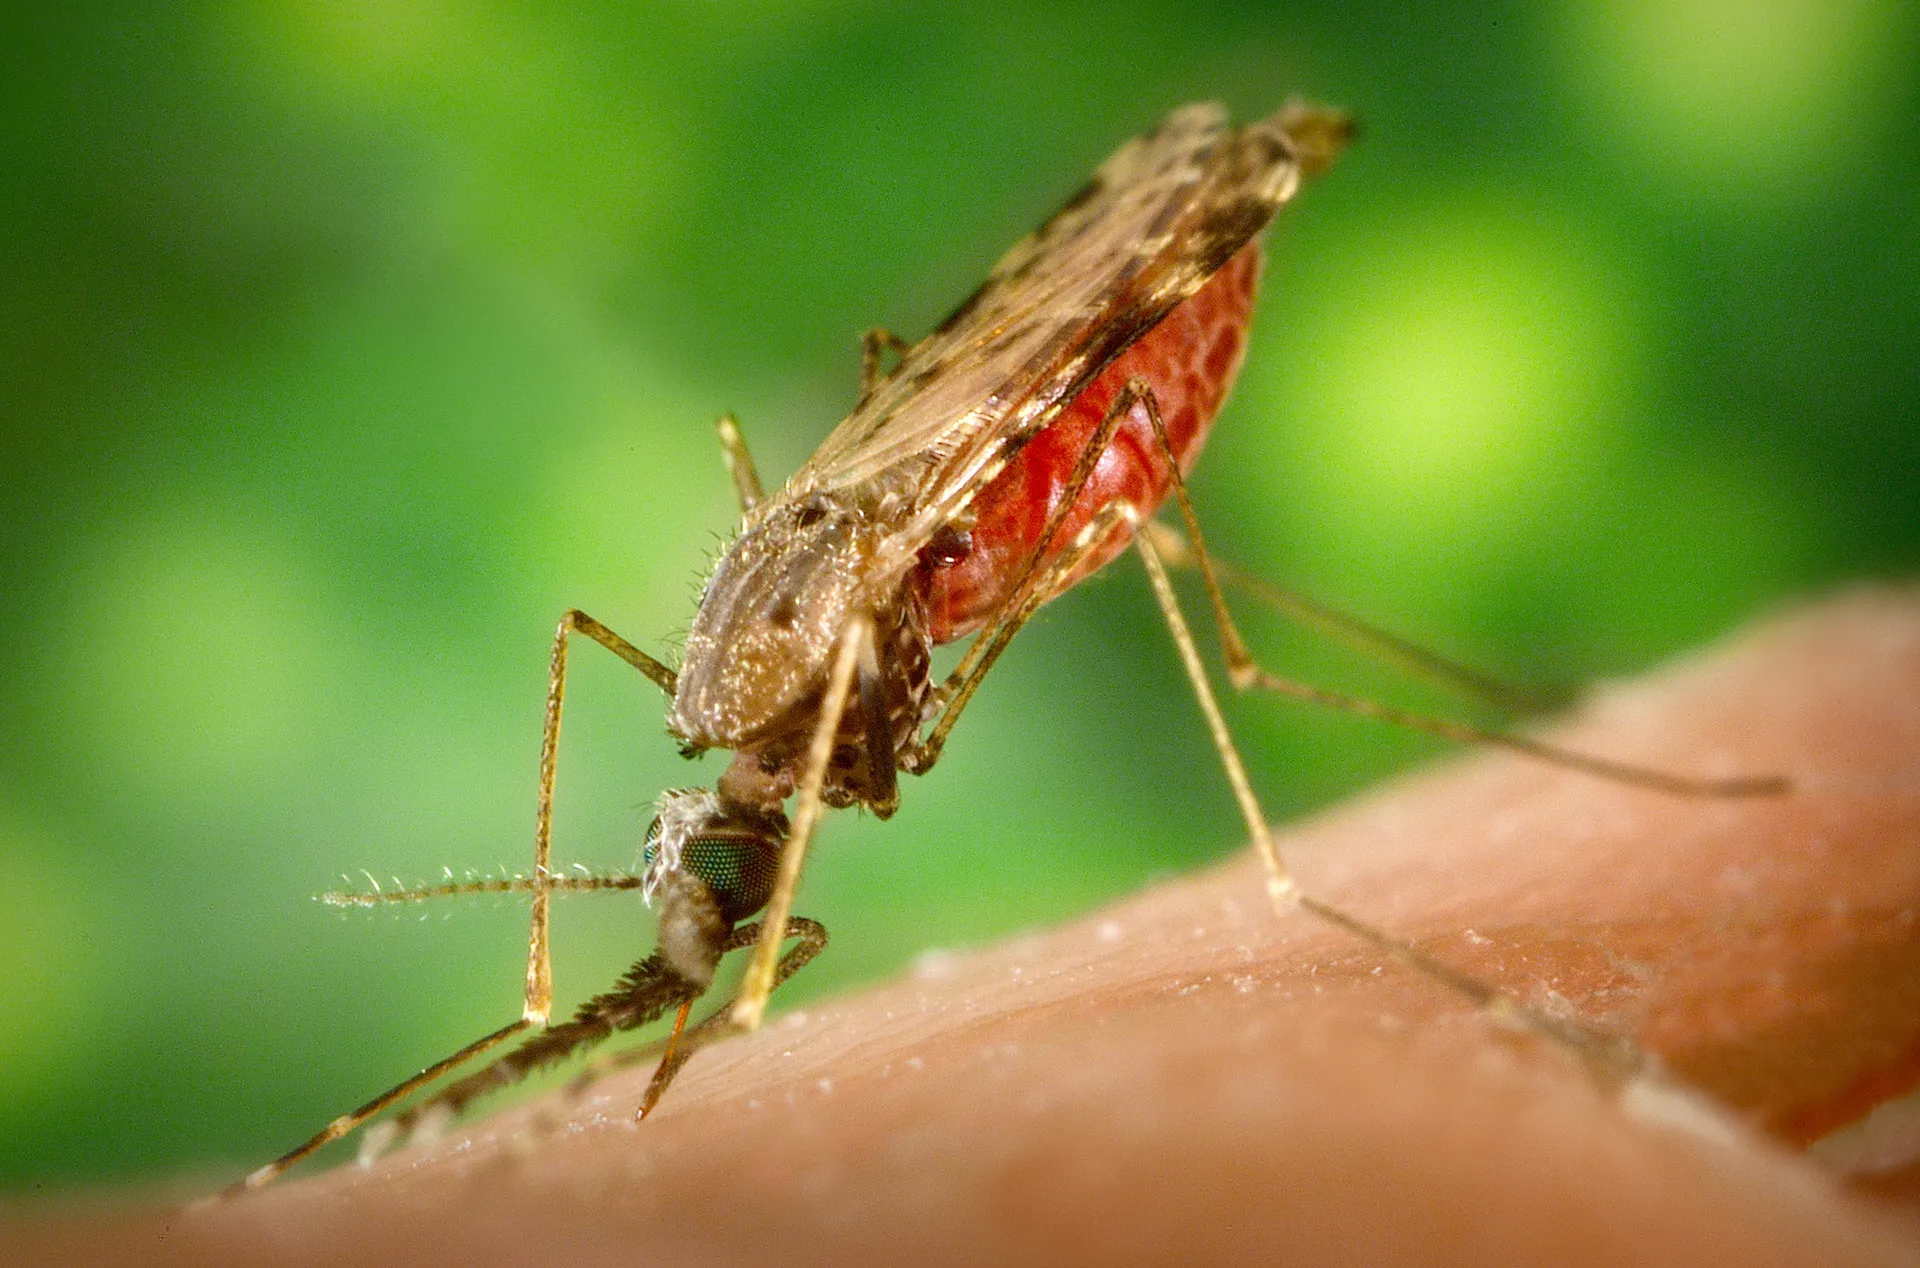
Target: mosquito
(1018, 448)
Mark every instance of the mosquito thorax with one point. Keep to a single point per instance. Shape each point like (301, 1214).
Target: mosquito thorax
(759, 649)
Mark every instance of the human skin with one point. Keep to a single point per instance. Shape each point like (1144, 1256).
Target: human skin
(1189, 1077)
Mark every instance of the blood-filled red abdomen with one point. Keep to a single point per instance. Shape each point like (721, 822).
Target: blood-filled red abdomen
(1189, 359)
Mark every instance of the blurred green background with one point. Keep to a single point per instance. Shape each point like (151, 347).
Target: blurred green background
(347, 344)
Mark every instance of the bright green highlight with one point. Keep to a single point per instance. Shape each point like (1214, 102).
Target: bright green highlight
(1758, 101)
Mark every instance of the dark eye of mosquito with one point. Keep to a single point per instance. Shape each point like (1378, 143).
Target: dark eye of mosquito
(739, 872)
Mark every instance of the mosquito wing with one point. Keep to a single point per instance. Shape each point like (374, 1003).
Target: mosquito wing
(1151, 226)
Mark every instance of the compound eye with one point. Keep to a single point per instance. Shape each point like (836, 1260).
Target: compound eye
(739, 870)
(736, 856)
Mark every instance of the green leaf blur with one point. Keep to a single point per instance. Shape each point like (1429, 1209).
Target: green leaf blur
(347, 344)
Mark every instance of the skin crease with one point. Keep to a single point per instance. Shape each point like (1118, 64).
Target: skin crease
(1186, 1077)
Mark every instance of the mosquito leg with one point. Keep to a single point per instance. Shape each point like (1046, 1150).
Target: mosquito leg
(875, 344)
(645, 992)
(1121, 516)
(883, 794)
(1245, 673)
(539, 993)
(1053, 578)
(671, 1055)
(537, 1004)
(577, 622)
(740, 468)
(856, 643)
(1363, 636)
(813, 940)
(347, 1122)
(1037, 583)
(1614, 1059)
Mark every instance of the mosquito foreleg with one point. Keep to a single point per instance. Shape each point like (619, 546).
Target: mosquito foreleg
(539, 992)
(577, 622)
(855, 643)
(740, 468)
(537, 1002)
(1246, 673)
(813, 940)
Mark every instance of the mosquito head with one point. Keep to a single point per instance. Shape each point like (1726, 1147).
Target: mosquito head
(735, 853)
(758, 650)
(708, 865)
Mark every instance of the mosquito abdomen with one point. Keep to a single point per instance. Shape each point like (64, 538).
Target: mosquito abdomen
(1189, 360)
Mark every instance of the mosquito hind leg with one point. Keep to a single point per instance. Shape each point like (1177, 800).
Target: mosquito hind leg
(1246, 673)
(1370, 640)
(1615, 1059)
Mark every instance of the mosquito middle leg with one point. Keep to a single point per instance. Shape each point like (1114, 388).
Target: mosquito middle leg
(1120, 516)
